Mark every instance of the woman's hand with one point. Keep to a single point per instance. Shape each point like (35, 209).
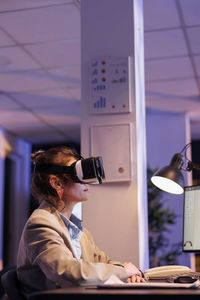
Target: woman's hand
(135, 278)
(135, 274)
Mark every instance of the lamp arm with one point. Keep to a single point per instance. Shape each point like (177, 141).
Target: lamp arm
(186, 147)
(192, 166)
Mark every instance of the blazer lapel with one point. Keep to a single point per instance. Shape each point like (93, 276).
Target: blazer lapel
(65, 233)
(87, 253)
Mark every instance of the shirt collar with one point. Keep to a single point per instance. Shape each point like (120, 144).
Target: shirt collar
(72, 221)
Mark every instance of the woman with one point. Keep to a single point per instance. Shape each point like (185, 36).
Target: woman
(55, 251)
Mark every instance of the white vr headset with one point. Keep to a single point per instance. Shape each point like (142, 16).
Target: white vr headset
(88, 170)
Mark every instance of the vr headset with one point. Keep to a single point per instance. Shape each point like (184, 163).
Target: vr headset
(88, 170)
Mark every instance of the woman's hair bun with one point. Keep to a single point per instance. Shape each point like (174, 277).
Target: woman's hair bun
(37, 155)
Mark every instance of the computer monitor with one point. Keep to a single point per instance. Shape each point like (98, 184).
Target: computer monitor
(191, 219)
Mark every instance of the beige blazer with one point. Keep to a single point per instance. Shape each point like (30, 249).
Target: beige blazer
(46, 259)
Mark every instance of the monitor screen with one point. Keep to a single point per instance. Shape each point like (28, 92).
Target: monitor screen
(191, 219)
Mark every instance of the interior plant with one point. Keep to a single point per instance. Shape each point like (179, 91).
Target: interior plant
(160, 218)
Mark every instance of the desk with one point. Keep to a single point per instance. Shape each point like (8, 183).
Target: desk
(93, 293)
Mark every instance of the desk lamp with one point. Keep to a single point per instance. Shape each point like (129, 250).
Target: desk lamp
(169, 178)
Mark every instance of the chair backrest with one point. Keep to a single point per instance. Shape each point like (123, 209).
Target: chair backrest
(11, 285)
(4, 270)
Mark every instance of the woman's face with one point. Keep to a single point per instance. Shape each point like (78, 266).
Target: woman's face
(75, 192)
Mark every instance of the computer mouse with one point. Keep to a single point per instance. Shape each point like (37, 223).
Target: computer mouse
(185, 279)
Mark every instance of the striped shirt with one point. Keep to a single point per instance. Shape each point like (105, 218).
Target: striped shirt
(75, 229)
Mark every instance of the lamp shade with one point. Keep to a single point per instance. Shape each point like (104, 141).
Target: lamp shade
(170, 178)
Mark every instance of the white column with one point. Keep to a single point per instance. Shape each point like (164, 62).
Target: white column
(116, 213)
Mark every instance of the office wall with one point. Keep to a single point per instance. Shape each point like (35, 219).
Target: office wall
(167, 134)
(19, 153)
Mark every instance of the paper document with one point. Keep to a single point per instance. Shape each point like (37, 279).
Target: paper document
(114, 282)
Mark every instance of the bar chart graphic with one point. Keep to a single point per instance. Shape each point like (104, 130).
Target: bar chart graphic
(100, 103)
(109, 81)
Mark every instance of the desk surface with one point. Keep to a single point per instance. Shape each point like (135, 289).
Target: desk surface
(88, 292)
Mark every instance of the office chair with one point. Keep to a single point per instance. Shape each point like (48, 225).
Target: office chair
(11, 286)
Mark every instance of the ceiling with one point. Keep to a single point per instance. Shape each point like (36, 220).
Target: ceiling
(40, 65)
(172, 57)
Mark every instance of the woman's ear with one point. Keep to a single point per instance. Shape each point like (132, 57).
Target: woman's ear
(57, 185)
(55, 182)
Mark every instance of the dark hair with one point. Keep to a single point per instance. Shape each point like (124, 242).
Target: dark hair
(41, 188)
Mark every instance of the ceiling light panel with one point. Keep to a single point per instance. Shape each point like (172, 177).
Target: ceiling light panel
(164, 68)
(11, 119)
(160, 14)
(70, 75)
(26, 81)
(173, 104)
(193, 36)
(191, 11)
(44, 98)
(5, 40)
(42, 25)
(57, 54)
(17, 59)
(60, 115)
(173, 88)
(197, 64)
(7, 104)
(75, 92)
(164, 44)
(26, 4)
(36, 132)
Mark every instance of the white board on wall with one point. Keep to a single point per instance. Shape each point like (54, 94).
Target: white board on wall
(110, 85)
(113, 144)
